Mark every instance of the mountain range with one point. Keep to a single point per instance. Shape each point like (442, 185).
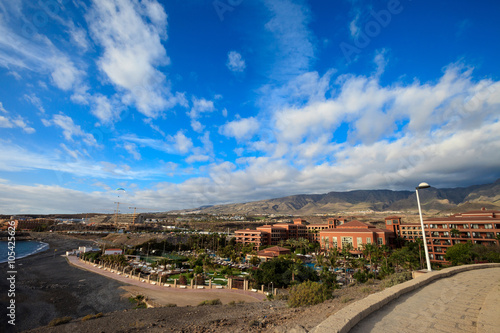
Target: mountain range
(444, 200)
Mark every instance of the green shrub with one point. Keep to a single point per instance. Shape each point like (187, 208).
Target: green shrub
(211, 302)
(60, 321)
(396, 278)
(182, 280)
(308, 293)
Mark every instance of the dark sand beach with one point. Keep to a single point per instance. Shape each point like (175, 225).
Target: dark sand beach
(47, 287)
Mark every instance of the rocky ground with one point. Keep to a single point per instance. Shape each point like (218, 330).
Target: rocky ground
(268, 316)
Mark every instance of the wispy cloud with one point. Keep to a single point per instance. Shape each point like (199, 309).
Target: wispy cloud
(294, 40)
(70, 129)
(7, 121)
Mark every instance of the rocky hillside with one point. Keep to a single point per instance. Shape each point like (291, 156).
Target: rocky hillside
(432, 199)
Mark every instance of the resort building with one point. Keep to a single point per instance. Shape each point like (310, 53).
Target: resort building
(272, 252)
(113, 251)
(272, 234)
(478, 226)
(337, 232)
(354, 234)
(407, 231)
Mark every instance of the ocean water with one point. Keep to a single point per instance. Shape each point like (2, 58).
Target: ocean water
(23, 249)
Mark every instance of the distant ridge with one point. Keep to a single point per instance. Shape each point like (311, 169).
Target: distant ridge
(432, 199)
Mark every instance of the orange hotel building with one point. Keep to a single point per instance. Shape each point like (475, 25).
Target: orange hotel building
(337, 232)
(478, 226)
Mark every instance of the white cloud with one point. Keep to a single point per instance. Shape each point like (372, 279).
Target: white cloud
(240, 129)
(197, 158)
(33, 99)
(131, 34)
(79, 37)
(200, 106)
(70, 129)
(14, 158)
(174, 144)
(235, 62)
(37, 54)
(17, 121)
(132, 149)
(182, 143)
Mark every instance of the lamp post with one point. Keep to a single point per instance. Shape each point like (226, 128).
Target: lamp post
(419, 187)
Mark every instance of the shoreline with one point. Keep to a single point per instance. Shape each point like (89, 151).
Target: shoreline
(47, 287)
(45, 246)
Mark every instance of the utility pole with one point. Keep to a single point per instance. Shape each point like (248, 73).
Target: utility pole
(116, 212)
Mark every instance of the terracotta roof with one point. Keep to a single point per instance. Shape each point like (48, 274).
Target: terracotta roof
(276, 249)
(392, 217)
(355, 230)
(354, 224)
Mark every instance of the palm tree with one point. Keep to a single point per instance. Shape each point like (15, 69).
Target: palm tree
(295, 269)
(320, 258)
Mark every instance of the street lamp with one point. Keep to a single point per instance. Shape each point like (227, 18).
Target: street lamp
(419, 187)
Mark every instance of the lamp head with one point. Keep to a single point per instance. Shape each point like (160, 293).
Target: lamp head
(423, 185)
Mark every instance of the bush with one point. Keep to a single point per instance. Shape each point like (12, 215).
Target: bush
(60, 321)
(396, 278)
(211, 302)
(200, 280)
(308, 293)
(182, 280)
(346, 299)
(91, 316)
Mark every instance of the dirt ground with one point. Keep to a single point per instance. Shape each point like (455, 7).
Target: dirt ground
(266, 316)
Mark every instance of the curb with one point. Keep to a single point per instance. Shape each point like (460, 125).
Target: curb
(346, 318)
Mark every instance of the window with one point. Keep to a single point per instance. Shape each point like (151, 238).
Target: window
(334, 242)
(359, 241)
(474, 226)
(380, 241)
(488, 226)
(346, 241)
(368, 240)
(389, 222)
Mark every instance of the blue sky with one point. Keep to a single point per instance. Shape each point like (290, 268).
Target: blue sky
(191, 103)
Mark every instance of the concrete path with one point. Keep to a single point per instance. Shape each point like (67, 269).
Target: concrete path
(465, 302)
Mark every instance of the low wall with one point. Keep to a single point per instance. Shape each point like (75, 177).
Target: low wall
(346, 318)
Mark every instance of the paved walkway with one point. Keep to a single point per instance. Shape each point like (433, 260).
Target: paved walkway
(164, 295)
(465, 302)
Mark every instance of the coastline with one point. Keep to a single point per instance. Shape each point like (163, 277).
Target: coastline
(44, 247)
(47, 287)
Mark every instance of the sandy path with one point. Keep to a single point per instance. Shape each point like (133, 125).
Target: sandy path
(165, 295)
